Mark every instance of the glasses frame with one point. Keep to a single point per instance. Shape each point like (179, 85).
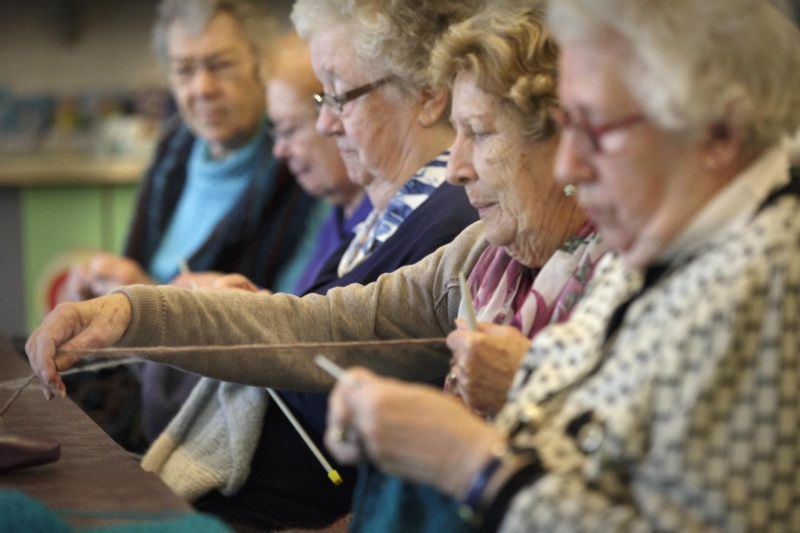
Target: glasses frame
(594, 134)
(336, 102)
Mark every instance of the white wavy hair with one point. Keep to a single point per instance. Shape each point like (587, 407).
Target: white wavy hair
(389, 36)
(698, 63)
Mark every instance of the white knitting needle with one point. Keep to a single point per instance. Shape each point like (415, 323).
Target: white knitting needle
(466, 297)
(335, 370)
(184, 268)
(333, 475)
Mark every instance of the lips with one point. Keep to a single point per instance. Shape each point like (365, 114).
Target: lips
(483, 208)
(210, 115)
(480, 203)
(595, 213)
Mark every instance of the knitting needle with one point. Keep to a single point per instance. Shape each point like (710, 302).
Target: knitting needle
(466, 297)
(333, 475)
(339, 373)
(184, 268)
(16, 394)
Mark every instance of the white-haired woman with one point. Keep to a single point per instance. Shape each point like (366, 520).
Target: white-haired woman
(527, 263)
(669, 400)
(213, 196)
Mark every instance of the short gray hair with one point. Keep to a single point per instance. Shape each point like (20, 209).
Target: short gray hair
(697, 63)
(257, 26)
(390, 37)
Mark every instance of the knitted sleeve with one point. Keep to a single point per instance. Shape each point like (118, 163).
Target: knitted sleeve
(419, 301)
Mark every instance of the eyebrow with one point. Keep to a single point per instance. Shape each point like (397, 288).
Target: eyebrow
(213, 55)
(472, 115)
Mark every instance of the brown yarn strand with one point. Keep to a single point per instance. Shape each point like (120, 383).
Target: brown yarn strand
(137, 354)
(307, 346)
(16, 394)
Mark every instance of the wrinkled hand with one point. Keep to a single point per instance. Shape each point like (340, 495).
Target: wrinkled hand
(409, 430)
(77, 286)
(93, 324)
(103, 273)
(196, 280)
(237, 282)
(484, 363)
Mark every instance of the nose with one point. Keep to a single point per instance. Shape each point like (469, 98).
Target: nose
(328, 122)
(280, 149)
(460, 170)
(571, 167)
(203, 81)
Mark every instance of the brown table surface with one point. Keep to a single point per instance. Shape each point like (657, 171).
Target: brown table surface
(93, 473)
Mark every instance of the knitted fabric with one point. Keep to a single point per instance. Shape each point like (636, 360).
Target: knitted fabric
(19, 513)
(208, 445)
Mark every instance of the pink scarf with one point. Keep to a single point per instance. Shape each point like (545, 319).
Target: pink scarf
(507, 292)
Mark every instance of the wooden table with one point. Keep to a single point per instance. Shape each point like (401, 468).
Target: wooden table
(93, 474)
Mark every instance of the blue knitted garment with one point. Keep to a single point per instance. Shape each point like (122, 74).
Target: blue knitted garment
(19, 513)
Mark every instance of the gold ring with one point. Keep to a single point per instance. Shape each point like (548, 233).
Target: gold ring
(338, 434)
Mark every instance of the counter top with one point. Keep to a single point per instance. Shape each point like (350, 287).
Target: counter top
(70, 169)
(94, 475)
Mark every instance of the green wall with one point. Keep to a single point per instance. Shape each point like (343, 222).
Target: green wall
(56, 222)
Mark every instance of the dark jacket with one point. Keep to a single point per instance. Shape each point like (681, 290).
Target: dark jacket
(287, 486)
(257, 238)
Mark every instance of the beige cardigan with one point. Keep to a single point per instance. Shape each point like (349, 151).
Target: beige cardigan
(418, 301)
(209, 444)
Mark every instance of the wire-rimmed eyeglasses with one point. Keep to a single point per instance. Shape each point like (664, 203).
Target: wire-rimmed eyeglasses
(336, 102)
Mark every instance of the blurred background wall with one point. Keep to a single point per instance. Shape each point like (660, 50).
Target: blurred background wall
(81, 99)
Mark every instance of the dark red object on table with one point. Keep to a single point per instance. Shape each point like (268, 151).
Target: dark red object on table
(93, 474)
(21, 452)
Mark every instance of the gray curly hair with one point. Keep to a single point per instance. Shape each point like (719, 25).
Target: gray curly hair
(258, 27)
(390, 37)
(698, 63)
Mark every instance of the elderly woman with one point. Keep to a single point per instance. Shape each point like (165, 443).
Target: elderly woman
(503, 156)
(393, 140)
(669, 399)
(312, 158)
(213, 158)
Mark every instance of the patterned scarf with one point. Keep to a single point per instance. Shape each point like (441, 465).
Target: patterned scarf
(380, 226)
(507, 292)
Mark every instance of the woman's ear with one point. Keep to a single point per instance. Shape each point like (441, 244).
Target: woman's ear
(723, 145)
(433, 104)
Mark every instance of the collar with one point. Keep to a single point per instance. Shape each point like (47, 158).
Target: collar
(734, 205)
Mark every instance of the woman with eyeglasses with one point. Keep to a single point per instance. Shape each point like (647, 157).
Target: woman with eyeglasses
(214, 196)
(527, 262)
(669, 400)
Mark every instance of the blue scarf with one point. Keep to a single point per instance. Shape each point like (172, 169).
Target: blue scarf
(380, 226)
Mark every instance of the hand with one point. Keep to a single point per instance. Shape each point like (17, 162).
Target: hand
(93, 324)
(77, 286)
(103, 273)
(409, 430)
(196, 280)
(237, 282)
(484, 363)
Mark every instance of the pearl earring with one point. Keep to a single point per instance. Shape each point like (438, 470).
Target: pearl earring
(569, 190)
